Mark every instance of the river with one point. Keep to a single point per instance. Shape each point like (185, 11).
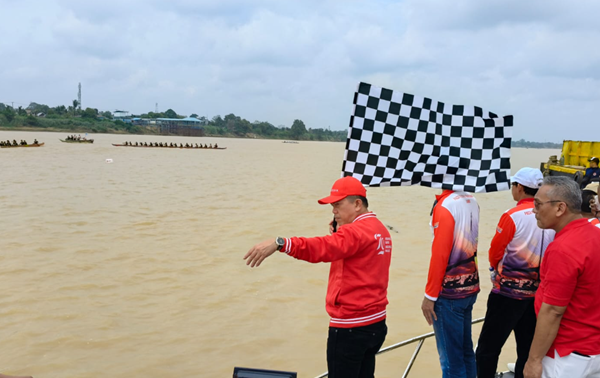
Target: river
(134, 268)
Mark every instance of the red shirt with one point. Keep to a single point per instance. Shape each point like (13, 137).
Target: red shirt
(360, 256)
(570, 276)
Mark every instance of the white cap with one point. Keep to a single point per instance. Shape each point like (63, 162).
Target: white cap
(529, 177)
(592, 187)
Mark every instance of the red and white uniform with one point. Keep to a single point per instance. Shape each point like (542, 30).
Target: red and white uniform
(453, 268)
(569, 277)
(360, 255)
(516, 251)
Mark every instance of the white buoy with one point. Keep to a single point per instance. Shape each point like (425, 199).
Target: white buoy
(109, 160)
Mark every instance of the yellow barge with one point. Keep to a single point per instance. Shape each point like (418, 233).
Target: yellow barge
(573, 161)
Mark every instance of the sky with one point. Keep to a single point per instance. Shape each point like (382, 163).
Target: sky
(281, 60)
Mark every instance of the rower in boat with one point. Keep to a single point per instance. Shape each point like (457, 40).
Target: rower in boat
(216, 146)
(180, 145)
(15, 142)
(35, 141)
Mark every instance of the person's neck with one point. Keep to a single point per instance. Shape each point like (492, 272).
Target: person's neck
(524, 196)
(565, 220)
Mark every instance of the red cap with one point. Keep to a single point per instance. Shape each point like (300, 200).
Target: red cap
(344, 187)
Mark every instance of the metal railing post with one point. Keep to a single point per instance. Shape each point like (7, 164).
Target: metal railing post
(421, 339)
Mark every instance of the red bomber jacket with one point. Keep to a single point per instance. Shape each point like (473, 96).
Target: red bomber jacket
(360, 255)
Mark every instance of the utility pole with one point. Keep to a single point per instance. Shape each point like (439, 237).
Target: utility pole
(156, 108)
(79, 96)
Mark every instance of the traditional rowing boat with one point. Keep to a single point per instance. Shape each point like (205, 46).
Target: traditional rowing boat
(185, 148)
(77, 141)
(26, 145)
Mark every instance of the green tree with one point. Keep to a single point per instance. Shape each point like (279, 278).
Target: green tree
(298, 129)
(263, 128)
(9, 113)
(218, 121)
(90, 113)
(194, 115)
(170, 113)
(242, 127)
(75, 105)
(21, 111)
(60, 110)
(32, 121)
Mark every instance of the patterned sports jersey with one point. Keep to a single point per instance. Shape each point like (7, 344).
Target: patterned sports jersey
(516, 251)
(453, 268)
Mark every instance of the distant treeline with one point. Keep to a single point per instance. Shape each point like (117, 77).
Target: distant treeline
(526, 144)
(74, 119)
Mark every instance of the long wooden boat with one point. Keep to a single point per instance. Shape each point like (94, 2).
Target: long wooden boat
(27, 145)
(185, 148)
(77, 141)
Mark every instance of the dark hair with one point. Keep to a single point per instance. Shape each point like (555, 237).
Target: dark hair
(529, 191)
(586, 196)
(364, 200)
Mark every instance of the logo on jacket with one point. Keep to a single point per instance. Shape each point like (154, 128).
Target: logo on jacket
(383, 244)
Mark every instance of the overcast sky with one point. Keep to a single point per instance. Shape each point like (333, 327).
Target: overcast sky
(278, 60)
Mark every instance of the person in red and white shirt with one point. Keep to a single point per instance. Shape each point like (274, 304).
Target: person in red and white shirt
(515, 255)
(567, 302)
(453, 281)
(360, 253)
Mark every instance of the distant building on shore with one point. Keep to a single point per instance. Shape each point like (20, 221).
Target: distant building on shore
(180, 126)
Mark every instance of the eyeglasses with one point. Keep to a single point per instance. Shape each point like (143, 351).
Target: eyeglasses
(538, 204)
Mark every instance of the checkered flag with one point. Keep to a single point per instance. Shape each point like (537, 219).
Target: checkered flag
(400, 139)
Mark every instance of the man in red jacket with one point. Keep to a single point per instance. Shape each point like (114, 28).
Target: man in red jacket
(360, 254)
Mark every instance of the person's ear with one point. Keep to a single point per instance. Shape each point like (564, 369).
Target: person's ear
(561, 209)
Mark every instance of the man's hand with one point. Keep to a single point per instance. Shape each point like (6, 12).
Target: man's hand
(427, 308)
(532, 369)
(594, 207)
(259, 252)
(493, 275)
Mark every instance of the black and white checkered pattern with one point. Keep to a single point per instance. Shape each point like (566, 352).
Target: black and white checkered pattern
(400, 139)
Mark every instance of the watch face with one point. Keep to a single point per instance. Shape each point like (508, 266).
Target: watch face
(280, 241)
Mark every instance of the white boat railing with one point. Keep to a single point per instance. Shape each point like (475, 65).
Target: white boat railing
(420, 339)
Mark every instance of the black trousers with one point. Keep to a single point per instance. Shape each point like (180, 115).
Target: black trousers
(351, 351)
(503, 316)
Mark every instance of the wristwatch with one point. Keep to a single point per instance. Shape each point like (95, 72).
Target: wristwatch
(280, 242)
